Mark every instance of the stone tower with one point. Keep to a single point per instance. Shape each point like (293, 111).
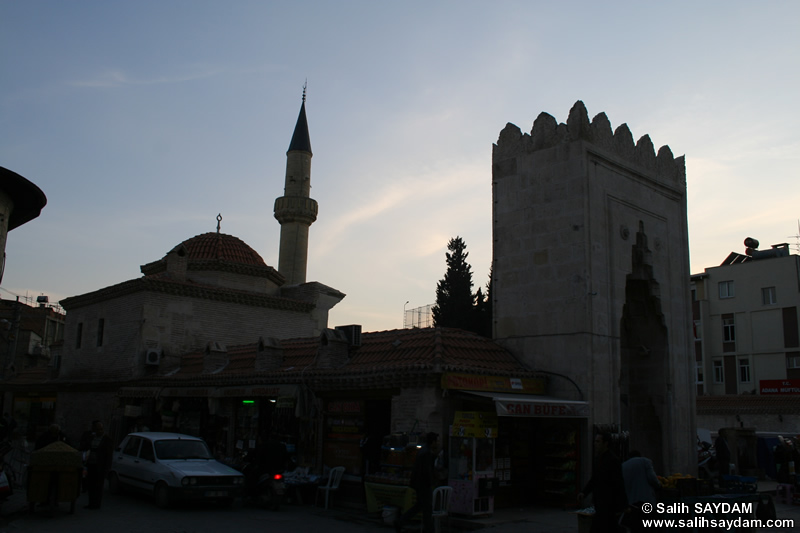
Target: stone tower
(591, 275)
(295, 210)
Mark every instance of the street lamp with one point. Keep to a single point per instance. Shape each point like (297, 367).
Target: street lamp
(404, 314)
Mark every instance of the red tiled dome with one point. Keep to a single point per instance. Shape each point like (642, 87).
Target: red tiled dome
(219, 246)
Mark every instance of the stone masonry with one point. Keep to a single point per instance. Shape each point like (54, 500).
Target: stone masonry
(591, 274)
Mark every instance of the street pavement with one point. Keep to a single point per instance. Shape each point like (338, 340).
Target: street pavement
(127, 513)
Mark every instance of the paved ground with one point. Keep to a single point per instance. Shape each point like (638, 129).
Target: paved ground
(132, 514)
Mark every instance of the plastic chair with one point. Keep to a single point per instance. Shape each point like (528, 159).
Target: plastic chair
(334, 478)
(441, 506)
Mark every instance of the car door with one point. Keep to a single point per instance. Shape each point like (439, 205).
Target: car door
(126, 459)
(150, 470)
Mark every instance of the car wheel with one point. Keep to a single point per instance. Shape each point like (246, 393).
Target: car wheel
(161, 494)
(113, 483)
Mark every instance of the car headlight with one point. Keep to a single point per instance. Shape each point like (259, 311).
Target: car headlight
(188, 481)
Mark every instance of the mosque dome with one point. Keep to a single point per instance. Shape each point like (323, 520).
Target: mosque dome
(214, 246)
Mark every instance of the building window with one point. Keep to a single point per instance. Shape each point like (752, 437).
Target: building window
(698, 330)
(744, 370)
(100, 326)
(793, 365)
(728, 333)
(768, 296)
(726, 289)
(719, 371)
(699, 372)
(78, 335)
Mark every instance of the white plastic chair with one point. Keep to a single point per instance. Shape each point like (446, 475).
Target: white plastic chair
(441, 506)
(334, 478)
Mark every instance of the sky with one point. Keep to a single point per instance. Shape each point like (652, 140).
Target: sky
(141, 121)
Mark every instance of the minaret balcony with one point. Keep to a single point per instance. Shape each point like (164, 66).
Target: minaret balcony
(296, 209)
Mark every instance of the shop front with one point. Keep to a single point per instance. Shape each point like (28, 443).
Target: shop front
(538, 447)
(540, 453)
(229, 419)
(33, 414)
(472, 462)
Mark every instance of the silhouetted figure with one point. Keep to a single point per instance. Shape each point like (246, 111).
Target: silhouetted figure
(98, 462)
(607, 486)
(641, 484)
(723, 452)
(422, 481)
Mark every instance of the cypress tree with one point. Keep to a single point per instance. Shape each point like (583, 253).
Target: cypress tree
(454, 299)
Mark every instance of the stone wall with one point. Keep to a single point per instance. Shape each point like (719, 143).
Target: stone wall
(568, 202)
(134, 323)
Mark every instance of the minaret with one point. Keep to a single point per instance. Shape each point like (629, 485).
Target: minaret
(295, 210)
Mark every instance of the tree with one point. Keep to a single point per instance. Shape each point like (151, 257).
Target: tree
(483, 310)
(454, 299)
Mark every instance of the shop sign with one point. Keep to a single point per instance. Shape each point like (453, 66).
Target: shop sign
(258, 390)
(543, 409)
(345, 407)
(476, 382)
(779, 386)
(285, 402)
(474, 424)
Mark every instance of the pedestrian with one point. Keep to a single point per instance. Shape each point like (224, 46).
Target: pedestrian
(97, 464)
(723, 456)
(641, 484)
(53, 434)
(422, 481)
(606, 485)
(782, 456)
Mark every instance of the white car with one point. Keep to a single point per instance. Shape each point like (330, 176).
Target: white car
(172, 467)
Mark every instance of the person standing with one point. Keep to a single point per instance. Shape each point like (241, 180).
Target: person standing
(422, 481)
(97, 464)
(606, 485)
(641, 484)
(723, 452)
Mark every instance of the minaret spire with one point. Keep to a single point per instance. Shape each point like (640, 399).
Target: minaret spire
(296, 210)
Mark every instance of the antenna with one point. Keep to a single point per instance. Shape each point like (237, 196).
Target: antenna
(797, 237)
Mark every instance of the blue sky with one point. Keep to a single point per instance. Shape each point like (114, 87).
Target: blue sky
(142, 120)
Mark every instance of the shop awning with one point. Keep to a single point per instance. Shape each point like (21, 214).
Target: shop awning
(532, 405)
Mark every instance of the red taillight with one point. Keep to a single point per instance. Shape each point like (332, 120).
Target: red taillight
(277, 477)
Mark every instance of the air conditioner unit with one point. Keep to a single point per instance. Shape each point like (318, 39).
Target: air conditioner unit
(353, 333)
(152, 357)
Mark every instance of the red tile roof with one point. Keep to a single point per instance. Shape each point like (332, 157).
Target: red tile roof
(384, 353)
(219, 246)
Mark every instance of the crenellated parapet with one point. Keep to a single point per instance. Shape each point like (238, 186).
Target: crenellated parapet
(548, 133)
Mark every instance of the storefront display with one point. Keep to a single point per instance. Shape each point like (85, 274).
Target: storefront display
(557, 473)
(344, 430)
(472, 463)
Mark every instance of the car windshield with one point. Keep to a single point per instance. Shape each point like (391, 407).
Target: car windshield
(182, 449)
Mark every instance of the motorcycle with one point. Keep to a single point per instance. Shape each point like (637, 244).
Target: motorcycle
(264, 488)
